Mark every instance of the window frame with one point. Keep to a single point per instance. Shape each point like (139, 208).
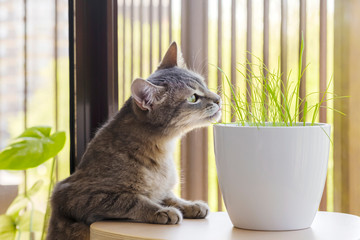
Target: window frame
(93, 70)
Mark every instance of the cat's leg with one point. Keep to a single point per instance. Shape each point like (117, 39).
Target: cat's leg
(148, 211)
(131, 206)
(189, 209)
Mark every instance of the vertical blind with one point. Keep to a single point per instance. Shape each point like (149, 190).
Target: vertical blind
(33, 74)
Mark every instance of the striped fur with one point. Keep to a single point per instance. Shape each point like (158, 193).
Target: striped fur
(127, 171)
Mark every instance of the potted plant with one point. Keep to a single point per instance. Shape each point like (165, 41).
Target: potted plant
(272, 164)
(33, 147)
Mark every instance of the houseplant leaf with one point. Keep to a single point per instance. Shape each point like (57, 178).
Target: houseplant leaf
(7, 227)
(38, 131)
(35, 188)
(37, 221)
(32, 148)
(19, 203)
(54, 144)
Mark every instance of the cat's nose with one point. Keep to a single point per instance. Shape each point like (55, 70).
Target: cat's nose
(217, 100)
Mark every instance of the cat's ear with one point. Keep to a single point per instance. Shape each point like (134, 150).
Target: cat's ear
(145, 94)
(172, 58)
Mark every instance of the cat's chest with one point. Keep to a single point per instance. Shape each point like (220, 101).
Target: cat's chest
(161, 180)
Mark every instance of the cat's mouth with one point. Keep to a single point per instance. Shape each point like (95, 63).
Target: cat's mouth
(216, 115)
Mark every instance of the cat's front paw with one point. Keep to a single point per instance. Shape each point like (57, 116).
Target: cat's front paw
(196, 209)
(168, 215)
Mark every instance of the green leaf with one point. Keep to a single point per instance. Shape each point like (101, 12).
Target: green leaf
(7, 228)
(37, 221)
(21, 154)
(19, 203)
(58, 141)
(35, 188)
(38, 132)
(31, 148)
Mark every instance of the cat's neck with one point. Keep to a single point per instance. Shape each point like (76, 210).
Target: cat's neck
(130, 125)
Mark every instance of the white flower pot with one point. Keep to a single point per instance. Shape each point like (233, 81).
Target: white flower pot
(272, 178)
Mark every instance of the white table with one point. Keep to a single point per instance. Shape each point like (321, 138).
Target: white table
(217, 226)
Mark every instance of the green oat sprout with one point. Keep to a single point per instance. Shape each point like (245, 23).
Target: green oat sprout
(273, 102)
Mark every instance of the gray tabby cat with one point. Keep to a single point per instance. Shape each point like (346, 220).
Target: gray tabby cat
(127, 170)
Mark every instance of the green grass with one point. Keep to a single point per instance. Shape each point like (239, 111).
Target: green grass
(273, 101)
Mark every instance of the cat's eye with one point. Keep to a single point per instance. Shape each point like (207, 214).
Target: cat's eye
(193, 98)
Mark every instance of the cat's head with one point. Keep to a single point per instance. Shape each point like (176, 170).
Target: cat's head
(175, 97)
